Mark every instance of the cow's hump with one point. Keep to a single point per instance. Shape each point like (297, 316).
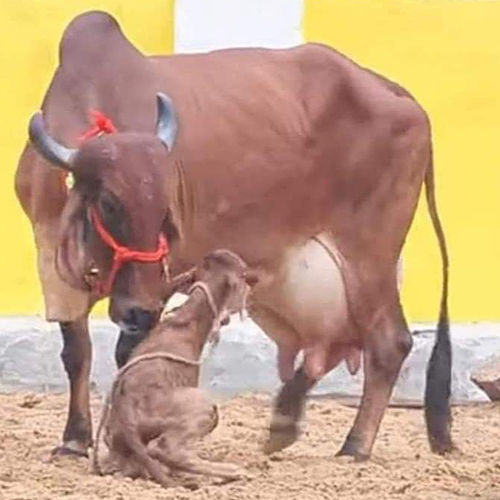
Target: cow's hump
(99, 68)
(89, 35)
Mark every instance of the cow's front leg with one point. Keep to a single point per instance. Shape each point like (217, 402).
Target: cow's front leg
(288, 411)
(77, 357)
(290, 403)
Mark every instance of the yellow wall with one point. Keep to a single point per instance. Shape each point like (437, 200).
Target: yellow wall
(29, 34)
(447, 53)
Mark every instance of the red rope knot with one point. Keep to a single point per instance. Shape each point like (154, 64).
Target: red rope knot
(101, 125)
(123, 254)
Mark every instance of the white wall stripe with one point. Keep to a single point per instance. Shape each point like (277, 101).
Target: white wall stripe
(203, 25)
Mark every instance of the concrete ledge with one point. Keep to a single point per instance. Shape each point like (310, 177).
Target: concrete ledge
(245, 360)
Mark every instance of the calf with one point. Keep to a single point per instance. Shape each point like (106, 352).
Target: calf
(155, 411)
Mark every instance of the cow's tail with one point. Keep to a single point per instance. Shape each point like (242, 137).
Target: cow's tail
(438, 382)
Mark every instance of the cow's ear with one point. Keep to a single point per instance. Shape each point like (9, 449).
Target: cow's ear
(251, 277)
(166, 121)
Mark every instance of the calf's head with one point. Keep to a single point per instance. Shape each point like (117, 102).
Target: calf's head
(227, 278)
(115, 224)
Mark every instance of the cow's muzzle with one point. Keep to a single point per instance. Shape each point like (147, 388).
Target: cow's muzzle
(137, 320)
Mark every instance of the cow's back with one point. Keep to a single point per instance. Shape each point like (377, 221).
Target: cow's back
(299, 86)
(257, 125)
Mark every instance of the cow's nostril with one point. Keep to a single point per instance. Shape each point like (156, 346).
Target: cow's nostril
(139, 319)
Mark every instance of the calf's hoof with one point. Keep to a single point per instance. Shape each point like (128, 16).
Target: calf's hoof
(283, 432)
(235, 473)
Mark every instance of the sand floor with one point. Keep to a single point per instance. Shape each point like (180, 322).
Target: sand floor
(401, 468)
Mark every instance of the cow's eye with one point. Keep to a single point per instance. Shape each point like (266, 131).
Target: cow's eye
(108, 207)
(113, 215)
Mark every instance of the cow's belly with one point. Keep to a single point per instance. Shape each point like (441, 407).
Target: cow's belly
(307, 293)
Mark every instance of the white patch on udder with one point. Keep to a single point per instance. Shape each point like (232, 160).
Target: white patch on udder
(307, 293)
(314, 287)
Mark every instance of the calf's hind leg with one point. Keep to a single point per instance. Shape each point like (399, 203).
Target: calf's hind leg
(172, 452)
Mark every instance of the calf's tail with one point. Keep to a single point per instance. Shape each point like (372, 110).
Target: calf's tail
(438, 381)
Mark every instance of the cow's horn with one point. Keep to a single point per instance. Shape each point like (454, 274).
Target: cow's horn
(51, 150)
(166, 123)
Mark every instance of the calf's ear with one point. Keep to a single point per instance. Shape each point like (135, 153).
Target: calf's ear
(182, 282)
(251, 277)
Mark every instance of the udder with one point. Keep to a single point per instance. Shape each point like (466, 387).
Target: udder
(303, 306)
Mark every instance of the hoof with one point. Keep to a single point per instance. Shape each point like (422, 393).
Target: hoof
(345, 452)
(283, 433)
(238, 473)
(234, 473)
(191, 484)
(442, 448)
(361, 457)
(227, 480)
(350, 458)
(350, 449)
(72, 449)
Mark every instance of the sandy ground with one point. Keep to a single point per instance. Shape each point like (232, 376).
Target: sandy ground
(401, 467)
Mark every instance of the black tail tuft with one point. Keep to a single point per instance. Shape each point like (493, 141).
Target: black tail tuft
(438, 390)
(438, 382)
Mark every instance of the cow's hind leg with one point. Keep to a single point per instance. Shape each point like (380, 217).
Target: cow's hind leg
(77, 357)
(386, 346)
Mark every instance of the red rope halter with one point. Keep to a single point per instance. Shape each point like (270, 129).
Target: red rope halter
(121, 254)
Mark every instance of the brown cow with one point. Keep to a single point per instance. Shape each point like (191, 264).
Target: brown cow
(155, 411)
(299, 160)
